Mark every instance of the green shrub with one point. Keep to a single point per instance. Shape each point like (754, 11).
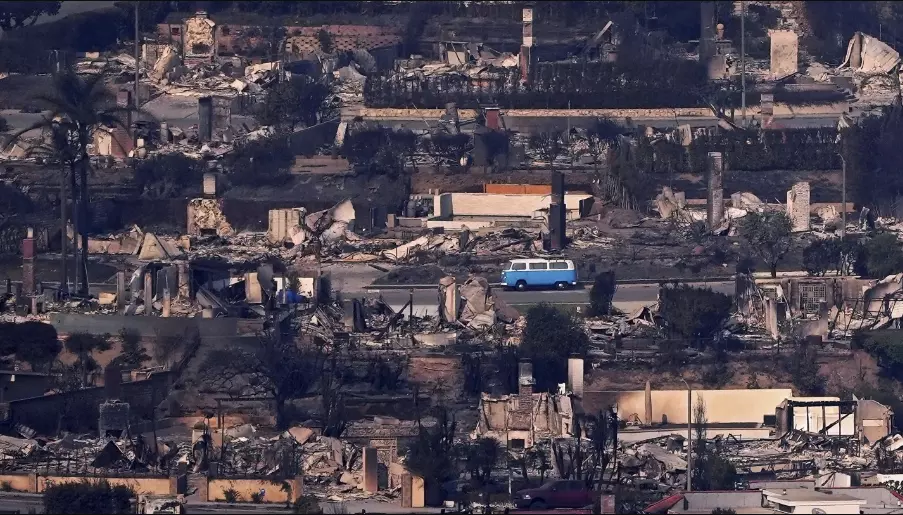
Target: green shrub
(693, 313)
(87, 497)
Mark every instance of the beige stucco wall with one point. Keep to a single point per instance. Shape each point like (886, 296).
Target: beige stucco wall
(784, 52)
(275, 493)
(489, 204)
(141, 485)
(20, 482)
(722, 406)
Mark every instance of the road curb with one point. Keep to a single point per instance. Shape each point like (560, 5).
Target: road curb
(581, 284)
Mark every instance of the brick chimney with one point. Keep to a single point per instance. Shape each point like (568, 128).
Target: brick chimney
(492, 118)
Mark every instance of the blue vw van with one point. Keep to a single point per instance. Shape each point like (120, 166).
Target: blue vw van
(521, 274)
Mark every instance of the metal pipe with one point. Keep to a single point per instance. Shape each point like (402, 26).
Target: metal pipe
(689, 435)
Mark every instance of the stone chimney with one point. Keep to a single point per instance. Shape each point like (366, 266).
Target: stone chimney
(575, 376)
(205, 119)
(525, 378)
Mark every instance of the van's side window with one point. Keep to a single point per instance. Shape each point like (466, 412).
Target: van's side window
(519, 266)
(558, 265)
(539, 266)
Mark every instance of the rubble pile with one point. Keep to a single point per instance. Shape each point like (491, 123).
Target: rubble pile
(84, 453)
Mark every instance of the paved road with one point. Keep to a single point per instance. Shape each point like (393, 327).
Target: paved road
(628, 297)
(33, 503)
(529, 123)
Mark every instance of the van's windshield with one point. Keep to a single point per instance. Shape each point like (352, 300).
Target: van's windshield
(516, 266)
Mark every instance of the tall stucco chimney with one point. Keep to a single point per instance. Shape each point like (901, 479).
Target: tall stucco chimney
(575, 375)
(648, 402)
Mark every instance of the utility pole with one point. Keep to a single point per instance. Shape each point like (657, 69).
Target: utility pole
(135, 101)
(743, 60)
(843, 197)
(569, 136)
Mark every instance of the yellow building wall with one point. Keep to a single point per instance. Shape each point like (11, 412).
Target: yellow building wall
(722, 406)
(274, 492)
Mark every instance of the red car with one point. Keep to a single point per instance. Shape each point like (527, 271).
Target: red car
(555, 494)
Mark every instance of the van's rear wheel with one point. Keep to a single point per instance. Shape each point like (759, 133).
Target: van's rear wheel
(521, 285)
(561, 285)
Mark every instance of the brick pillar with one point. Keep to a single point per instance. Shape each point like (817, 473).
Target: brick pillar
(371, 470)
(204, 488)
(297, 484)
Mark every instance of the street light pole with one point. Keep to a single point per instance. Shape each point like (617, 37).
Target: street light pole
(689, 435)
(137, 59)
(843, 197)
(743, 60)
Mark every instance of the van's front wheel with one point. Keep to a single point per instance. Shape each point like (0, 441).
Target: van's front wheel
(521, 285)
(562, 285)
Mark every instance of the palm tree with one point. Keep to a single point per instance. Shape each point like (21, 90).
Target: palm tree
(80, 108)
(54, 149)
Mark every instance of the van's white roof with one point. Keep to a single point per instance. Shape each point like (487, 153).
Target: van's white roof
(538, 260)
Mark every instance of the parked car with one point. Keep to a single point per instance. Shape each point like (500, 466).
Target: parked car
(555, 494)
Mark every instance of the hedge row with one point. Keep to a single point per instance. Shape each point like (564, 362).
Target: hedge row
(790, 149)
(589, 85)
